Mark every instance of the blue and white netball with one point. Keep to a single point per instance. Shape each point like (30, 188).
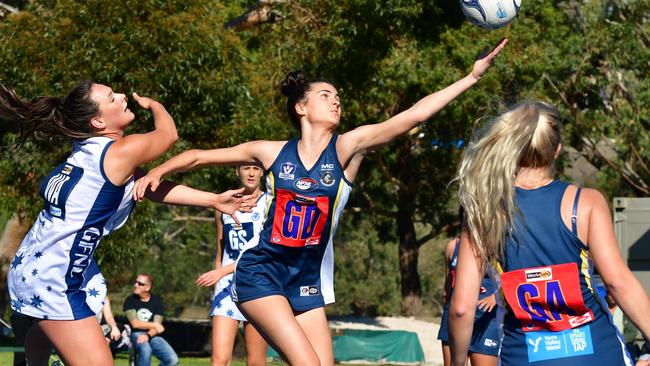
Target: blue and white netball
(490, 14)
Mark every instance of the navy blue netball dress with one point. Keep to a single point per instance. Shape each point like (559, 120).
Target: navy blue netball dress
(485, 336)
(295, 255)
(554, 317)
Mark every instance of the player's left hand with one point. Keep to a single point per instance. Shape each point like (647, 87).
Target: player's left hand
(233, 200)
(487, 303)
(484, 62)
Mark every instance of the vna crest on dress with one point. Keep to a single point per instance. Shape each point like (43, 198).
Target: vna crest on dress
(287, 171)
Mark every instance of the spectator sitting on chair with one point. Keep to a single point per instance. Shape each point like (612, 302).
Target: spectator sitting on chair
(144, 311)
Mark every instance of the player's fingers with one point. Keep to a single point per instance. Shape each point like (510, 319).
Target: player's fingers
(234, 217)
(154, 184)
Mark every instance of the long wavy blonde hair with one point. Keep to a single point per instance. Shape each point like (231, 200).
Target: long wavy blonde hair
(527, 135)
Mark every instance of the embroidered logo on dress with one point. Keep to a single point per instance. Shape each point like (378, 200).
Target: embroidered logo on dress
(327, 178)
(287, 171)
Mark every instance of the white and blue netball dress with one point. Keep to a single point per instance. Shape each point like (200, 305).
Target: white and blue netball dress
(236, 239)
(94, 285)
(295, 256)
(81, 207)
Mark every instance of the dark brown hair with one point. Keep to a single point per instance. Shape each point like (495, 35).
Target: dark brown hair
(44, 117)
(294, 87)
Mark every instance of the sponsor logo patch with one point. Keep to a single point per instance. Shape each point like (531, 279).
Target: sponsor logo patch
(309, 290)
(490, 343)
(305, 184)
(255, 216)
(539, 274)
(576, 321)
(327, 167)
(555, 345)
(312, 241)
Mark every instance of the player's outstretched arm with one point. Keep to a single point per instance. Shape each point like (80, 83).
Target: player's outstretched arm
(260, 152)
(368, 137)
(228, 202)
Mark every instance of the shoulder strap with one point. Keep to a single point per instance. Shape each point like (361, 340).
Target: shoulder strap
(574, 214)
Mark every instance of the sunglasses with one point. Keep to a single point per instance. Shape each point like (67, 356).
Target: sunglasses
(138, 283)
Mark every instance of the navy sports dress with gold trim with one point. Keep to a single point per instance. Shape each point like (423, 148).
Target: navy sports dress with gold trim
(295, 257)
(554, 317)
(485, 336)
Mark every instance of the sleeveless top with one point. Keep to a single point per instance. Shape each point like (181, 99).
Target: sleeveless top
(303, 210)
(239, 238)
(553, 316)
(81, 206)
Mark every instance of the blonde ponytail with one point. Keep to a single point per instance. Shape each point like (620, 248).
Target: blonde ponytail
(525, 136)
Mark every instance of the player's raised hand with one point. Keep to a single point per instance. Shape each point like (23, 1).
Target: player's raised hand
(144, 102)
(233, 200)
(486, 59)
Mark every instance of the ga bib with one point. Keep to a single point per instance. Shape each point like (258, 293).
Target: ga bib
(546, 298)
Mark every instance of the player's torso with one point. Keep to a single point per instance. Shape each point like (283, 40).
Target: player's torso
(552, 313)
(239, 237)
(80, 207)
(305, 203)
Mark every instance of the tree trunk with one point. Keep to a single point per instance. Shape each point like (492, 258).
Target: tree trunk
(408, 264)
(408, 243)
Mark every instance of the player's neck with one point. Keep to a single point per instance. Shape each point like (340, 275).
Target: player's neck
(256, 191)
(314, 138)
(145, 297)
(532, 178)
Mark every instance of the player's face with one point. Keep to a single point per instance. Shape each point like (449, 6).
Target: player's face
(250, 176)
(323, 104)
(113, 111)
